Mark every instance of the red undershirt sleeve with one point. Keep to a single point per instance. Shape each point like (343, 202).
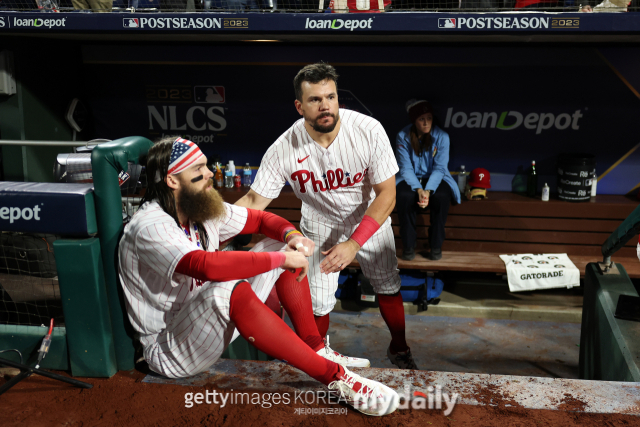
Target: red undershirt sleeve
(223, 266)
(266, 223)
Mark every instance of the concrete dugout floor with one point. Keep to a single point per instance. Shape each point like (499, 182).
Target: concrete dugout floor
(509, 347)
(477, 327)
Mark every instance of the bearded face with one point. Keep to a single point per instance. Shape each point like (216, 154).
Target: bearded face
(200, 204)
(325, 122)
(319, 105)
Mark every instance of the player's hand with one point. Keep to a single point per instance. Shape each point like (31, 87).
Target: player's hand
(423, 198)
(339, 257)
(295, 260)
(302, 244)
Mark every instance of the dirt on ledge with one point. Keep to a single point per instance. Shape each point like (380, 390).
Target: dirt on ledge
(124, 400)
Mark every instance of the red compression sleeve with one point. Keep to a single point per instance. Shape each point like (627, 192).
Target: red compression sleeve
(223, 266)
(365, 230)
(266, 223)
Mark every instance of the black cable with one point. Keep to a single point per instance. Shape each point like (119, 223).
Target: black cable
(16, 350)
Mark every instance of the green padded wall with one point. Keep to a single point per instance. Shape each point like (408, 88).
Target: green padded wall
(609, 347)
(27, 340)
(107, 160)
(86, 311)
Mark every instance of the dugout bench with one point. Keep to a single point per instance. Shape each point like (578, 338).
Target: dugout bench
(505, 223)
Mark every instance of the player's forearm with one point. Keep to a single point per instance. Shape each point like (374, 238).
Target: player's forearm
(374, 217)
(253, 200)
(232, 265)
(382, 206)
(266, 223)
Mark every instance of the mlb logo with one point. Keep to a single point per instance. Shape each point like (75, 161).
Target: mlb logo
(123, 177)
(446, 22)
(131, 23)
(209, 94)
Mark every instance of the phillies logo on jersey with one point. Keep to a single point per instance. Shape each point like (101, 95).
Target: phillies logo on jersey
(332, 180)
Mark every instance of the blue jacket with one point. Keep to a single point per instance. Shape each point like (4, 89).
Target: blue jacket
(432, 165)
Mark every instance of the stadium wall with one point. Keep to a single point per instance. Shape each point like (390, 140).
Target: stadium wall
(48, 78)
(503, 105)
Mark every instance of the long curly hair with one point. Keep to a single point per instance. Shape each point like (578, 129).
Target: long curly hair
(158, 160)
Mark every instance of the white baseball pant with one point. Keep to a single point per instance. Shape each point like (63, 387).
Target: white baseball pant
(199, 332)
(377, 260)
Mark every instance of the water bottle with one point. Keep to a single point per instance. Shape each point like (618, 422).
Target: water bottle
(246, 180)
(594, 185)
(232, 167)
(219, 176)
(228, 178)
(462, 179)
(545, 193)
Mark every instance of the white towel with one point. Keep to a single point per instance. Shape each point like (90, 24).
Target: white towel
(542, 271)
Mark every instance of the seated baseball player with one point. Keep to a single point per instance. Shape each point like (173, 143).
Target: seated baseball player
(187, 300)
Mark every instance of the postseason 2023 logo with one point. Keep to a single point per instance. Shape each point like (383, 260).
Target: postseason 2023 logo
(494, 23)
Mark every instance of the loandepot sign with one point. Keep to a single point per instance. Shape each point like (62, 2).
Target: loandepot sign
(509, 120)
(49, 23)
(339, 24)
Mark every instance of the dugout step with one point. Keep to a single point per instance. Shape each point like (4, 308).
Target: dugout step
(237, 376)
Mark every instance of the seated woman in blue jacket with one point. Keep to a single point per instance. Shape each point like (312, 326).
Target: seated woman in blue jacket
(422, 151)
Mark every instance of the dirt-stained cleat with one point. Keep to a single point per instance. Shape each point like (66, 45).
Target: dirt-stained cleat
(365, 395)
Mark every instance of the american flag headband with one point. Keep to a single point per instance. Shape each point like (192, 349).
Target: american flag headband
(184, 153)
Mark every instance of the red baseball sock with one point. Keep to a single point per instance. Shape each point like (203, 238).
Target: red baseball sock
(269, 334)
(392, 312)
(296, 299)
(322, 322)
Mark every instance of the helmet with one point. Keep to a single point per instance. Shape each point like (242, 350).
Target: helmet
(479, 178)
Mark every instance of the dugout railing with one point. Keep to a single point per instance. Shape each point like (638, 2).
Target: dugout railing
(610, 332)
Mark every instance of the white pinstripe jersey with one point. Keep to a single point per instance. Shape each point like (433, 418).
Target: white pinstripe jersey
(149, 251)
(335, 184)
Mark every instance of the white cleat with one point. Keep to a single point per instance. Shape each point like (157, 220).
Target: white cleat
(351, 362)
(365, 395)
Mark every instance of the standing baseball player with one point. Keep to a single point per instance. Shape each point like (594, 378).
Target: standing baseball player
(341, 165)
(188, 301)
